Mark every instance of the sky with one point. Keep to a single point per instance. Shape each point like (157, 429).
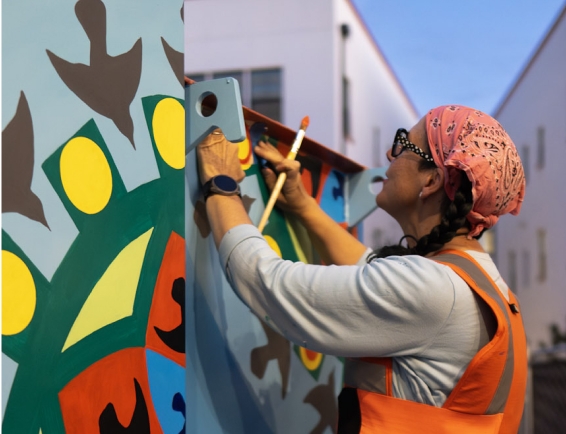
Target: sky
(458, 52)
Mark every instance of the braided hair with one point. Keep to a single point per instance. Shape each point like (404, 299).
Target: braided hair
(454, 214)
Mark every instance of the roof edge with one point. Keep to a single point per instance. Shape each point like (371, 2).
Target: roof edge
(528, 64)
(382, 56)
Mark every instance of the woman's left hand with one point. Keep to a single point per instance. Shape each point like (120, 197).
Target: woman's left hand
(218, 156)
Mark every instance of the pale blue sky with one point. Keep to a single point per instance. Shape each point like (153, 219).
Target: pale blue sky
(458, 52)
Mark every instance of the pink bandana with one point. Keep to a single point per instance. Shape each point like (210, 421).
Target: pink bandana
(461, 138)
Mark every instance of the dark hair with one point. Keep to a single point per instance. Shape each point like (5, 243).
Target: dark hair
(453, 218)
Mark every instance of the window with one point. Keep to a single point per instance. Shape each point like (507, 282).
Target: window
(540, 147)
(377, 238)
(526, 269)
(525, 158)
(196, 77)
(237, 75)
(266, 92)
(345, 107)
(512, 257)
(260, 89)
(541, 247)
(376, 151)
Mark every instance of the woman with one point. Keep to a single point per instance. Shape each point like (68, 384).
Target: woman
(432, 336)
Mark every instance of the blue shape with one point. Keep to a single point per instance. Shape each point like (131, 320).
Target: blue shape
(167, 387)
(332, 199)
(179, 405)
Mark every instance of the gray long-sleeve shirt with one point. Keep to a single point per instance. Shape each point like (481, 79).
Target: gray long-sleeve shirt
(410, 308)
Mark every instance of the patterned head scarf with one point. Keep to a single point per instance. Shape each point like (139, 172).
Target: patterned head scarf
(464, 139)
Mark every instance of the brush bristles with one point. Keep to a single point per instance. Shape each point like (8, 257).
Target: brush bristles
(305, 123)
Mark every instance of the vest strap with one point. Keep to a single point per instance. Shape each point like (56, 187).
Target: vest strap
(471, 390)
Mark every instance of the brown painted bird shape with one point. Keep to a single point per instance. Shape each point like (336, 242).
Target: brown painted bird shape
(108, 85)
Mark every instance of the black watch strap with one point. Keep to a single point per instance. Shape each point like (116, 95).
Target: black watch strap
(221, 184)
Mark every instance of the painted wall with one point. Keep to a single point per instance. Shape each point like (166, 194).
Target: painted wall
(242, 377)
(93, 292)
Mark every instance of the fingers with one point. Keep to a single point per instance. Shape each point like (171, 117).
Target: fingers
(268, 152)
(269, 177)
(291, 167)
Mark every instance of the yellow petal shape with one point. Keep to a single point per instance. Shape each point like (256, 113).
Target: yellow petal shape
(18, 294)
(112, 298)
(273, 244)
(86, 175)
(310, 359)
(168, 125)
(296, 244)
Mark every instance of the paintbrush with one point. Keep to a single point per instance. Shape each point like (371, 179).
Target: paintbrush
(283, 176)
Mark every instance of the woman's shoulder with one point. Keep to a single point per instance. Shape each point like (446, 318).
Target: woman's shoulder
(413, 277)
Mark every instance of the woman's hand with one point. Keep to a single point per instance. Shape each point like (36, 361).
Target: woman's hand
(293, 198)
(218, 156)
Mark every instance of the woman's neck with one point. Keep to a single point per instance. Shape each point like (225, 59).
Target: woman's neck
(461, 242)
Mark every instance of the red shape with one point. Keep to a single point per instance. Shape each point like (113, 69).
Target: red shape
(110, 380)
(311, 355)
(165, 313)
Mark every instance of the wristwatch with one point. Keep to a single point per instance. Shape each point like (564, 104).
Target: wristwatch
(221, 184)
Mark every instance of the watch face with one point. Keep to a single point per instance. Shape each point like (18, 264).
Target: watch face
(225, 183)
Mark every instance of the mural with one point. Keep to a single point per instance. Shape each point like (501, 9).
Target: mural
(243, 376)
(116, 316)
(93, 248)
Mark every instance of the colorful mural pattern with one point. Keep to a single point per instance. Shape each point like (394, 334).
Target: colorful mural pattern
(98, 346)
(271, 362)
(112, 317)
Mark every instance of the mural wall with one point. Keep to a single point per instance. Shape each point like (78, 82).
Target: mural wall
(116, 316)
(93, 276)
(242, 377)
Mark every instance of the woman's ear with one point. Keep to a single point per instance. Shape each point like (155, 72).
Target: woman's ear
(433, 183)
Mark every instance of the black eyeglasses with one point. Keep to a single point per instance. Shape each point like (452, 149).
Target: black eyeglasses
(401, 142)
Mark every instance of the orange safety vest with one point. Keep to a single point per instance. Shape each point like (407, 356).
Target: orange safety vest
(488, 398)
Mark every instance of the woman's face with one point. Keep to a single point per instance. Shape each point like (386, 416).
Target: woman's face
(401, 189)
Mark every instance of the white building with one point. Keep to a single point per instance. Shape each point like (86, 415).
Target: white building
(296, 58)
(530, 247)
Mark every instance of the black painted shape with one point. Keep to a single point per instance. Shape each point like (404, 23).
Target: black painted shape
(338, 191)
(108, 422)
(314, 166)
(109, 84)
(175, 339)
(257, 132)
(179, 405)
(17, 165)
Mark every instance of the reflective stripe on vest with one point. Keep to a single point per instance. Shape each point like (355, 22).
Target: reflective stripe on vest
(469, 270)
(482, 392)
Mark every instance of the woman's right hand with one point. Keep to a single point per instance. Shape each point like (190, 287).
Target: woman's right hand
(293, 198)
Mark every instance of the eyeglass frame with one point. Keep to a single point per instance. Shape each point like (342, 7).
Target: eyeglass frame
(401, 142)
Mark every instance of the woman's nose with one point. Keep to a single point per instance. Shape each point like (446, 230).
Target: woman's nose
(389, 156)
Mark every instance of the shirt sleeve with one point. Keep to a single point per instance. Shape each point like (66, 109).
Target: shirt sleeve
(390, 307)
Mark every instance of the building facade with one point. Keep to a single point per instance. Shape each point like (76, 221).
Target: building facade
(290, 65)
(529, 246)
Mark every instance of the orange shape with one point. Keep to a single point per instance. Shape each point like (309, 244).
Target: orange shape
(166, 312)
(108, 381)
